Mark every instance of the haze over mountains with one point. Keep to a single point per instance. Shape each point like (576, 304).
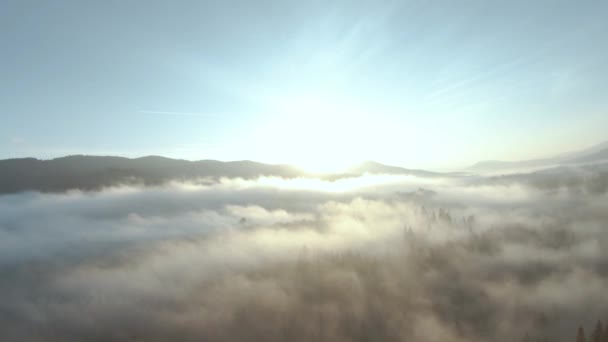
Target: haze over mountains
(594, 154)
(280, 170)
(95, 172)
(247, 251)
(409, 256)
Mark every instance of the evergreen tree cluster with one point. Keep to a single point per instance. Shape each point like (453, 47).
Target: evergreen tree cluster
(444, 216)
(599, 334)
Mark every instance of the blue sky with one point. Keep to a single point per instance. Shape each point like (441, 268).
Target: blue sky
(436, 84)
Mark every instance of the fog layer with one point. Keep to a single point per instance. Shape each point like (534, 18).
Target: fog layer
(372, 258)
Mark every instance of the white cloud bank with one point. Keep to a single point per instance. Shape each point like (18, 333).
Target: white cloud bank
(377, 258)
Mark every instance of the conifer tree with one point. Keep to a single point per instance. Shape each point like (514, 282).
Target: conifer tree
(580, 336)
(596, 336)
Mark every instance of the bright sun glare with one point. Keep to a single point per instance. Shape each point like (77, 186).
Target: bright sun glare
(318, 134)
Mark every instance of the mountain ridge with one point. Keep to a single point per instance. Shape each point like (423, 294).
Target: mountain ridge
(89, 172)
(592, 154)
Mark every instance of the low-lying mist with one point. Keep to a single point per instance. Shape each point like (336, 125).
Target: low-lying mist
(371, 258)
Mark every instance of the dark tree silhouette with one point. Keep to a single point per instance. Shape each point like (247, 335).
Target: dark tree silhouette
(596, 336)
(580, 336)
(605, 334)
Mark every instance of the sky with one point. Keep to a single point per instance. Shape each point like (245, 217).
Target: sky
(321, 84)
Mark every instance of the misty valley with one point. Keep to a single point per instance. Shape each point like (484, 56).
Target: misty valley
(303, 171)
(376, 253)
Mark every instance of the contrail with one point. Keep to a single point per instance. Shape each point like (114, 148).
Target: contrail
(175, 113)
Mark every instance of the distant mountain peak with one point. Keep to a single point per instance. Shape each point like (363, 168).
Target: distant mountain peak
(594, 154)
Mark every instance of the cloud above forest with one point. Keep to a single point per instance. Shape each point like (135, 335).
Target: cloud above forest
(386, 258)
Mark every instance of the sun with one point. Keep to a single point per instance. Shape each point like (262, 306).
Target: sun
(315, 133)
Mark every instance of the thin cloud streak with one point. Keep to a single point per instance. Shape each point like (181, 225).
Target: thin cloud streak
(202, 115)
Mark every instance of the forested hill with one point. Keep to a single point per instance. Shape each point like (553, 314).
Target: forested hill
(94, 172)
